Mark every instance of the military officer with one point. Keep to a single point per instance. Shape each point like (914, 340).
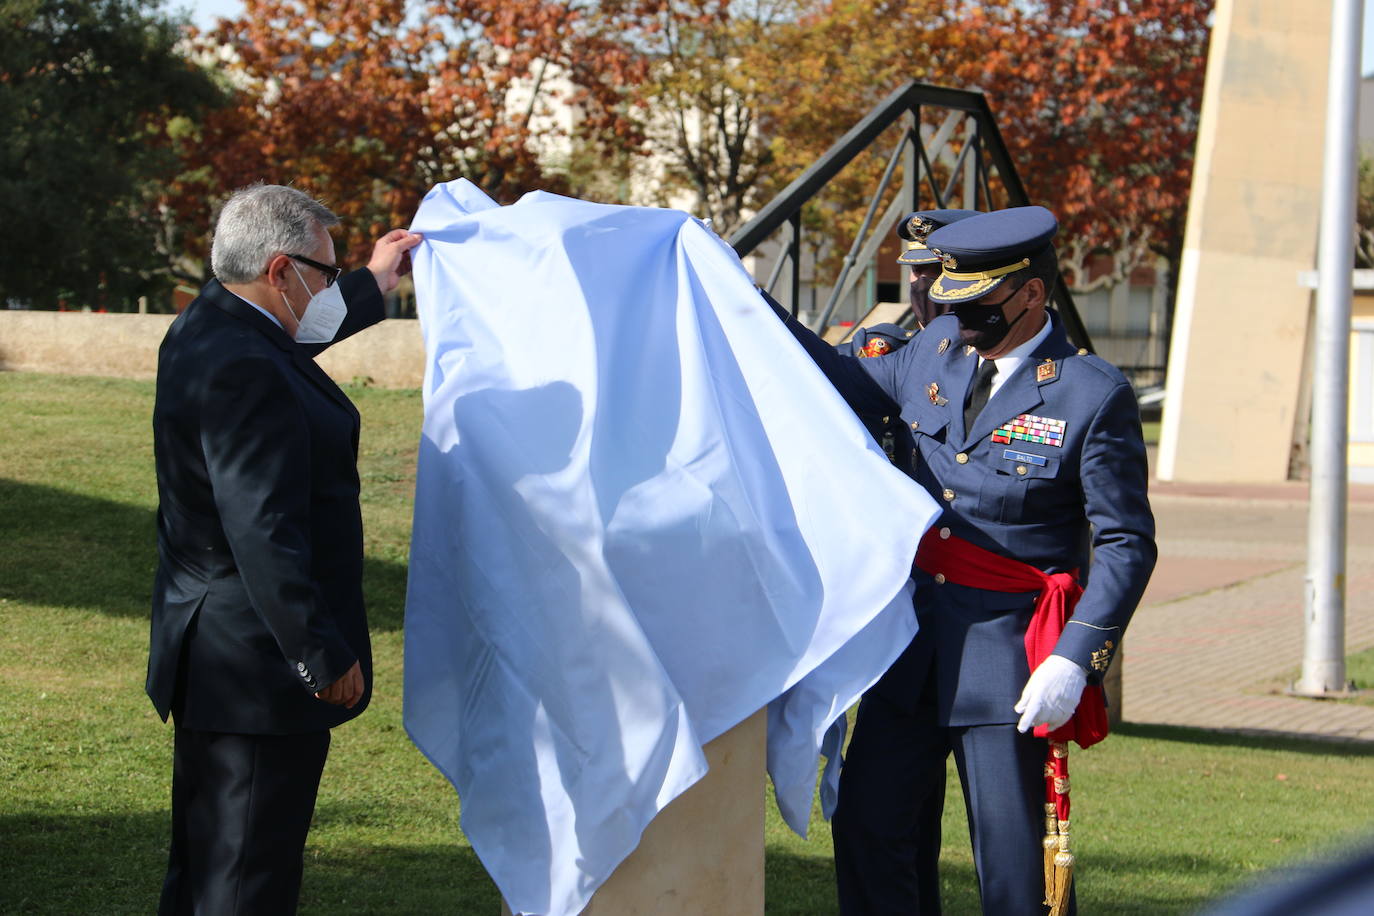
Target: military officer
(1034, 449)
(881, 339)
(924, 263)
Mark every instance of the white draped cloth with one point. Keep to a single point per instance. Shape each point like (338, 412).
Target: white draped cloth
(641, 514)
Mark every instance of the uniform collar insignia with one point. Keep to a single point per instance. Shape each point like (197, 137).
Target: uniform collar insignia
(876, 347)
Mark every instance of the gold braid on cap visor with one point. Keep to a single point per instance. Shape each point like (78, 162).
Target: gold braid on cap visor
(915, 250)
(982, 280)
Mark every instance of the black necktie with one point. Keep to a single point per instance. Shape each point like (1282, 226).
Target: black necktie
(980, 392)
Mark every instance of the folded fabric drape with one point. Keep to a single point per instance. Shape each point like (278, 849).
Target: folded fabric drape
(641, 514)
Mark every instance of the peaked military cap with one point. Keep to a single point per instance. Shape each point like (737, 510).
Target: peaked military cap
(914, 227)
(979, 253)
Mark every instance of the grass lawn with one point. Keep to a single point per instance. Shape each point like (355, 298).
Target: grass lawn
(1165, 819)
(1360, 669)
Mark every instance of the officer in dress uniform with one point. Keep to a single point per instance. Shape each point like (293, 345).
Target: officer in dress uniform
(1034, 449)
(924, 263)
(881, 339)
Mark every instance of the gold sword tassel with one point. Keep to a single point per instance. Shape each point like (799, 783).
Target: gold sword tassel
(1058, 901)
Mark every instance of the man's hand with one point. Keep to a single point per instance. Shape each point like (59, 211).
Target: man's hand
(347, 690)
(1052, 694)
(391, 259)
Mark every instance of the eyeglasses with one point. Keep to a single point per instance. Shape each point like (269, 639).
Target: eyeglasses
(331, 272)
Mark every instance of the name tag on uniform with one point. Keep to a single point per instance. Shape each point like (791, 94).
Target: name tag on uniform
(1023, 457)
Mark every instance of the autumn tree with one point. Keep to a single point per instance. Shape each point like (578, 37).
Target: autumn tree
(708, 82)
(1099, 102)
(91, 94)
(1097, 99)
(366, 107)
(830, 68)
(743, 96)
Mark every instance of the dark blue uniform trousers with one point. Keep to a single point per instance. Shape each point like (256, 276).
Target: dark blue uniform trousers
(886, 826)
(241, 808)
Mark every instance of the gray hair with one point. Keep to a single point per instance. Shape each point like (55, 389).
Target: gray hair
(260, 221)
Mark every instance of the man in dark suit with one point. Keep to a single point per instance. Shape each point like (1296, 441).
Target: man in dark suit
(1034, 448)
(259, 641)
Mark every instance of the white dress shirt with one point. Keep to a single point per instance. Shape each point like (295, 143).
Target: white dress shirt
(1010, 361)
(260, 309)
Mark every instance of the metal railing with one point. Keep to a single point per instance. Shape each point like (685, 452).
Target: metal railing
(963, 115)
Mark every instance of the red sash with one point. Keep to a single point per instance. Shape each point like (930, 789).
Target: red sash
(962, 563)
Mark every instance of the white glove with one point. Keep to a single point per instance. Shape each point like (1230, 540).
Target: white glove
(1051, 694)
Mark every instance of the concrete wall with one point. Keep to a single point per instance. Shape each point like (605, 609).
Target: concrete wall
(391, 355)
(1240, 325)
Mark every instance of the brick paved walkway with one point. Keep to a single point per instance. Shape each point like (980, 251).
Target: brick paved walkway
(1220, 630)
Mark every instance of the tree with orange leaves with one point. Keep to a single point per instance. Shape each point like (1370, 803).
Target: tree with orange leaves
(1099, 103)
(366, 107)
(830, 69)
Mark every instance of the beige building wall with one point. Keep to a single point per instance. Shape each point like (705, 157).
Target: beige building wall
(1241, 319)
(1361, 417)
(389, 355)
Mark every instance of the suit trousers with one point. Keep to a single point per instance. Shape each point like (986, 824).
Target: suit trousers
(886, 826)
(241, 808)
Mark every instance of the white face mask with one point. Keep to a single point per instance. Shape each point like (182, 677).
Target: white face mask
(323, 314)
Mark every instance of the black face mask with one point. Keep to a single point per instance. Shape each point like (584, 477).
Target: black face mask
(983, 326)
(922, 309)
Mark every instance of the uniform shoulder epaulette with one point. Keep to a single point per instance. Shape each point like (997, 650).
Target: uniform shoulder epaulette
(1085, 359)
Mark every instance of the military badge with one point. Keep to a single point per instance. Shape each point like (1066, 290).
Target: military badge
(878, 346)
(918, 227)
(1030, 428)
(943, 346)
(1045, 371)
(933, 390)
(968, 351)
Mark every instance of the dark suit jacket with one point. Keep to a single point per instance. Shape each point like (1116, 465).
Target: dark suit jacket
(888, 430)
(257, 602)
